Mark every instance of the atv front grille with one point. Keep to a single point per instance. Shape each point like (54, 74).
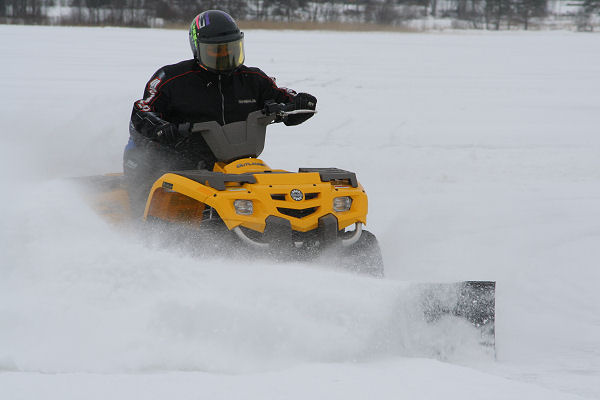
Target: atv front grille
(297, 213)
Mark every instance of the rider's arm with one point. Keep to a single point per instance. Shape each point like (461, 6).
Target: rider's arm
(283, 95)
(148, 112)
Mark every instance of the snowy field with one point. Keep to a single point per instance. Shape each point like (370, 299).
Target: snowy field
(480, 153)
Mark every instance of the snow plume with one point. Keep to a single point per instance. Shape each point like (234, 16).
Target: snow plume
(111, 301)
(78, 295)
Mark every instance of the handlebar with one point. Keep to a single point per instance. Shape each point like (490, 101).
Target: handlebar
(238, 139)
(271, 108)
(281, 110)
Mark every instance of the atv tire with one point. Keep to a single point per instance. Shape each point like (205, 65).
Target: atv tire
(364, 256)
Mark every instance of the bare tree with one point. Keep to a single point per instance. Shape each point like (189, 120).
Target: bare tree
(588, 9)
(472, 11)
(26, 11)
(526, 9)
(381, 12)
(497, 11)
(488, 14)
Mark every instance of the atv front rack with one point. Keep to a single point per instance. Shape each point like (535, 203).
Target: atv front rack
(333, 174)
(216, 180)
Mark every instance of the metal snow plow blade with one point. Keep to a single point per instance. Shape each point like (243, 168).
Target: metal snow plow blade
(474, 301)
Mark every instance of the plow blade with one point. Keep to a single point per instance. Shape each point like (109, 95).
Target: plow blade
(474, 301)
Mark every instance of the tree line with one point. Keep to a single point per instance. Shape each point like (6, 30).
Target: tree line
(483, 14)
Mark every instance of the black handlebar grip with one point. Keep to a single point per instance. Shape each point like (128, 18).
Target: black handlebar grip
(185, 129)
(274, 108)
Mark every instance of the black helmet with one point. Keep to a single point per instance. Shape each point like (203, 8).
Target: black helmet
(216, 41)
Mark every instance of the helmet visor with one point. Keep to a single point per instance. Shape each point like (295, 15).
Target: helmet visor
(222, 56)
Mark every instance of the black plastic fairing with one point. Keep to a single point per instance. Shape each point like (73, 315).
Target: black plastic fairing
(235, 140)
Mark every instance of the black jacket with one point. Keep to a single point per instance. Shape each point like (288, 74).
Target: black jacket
(186, 92)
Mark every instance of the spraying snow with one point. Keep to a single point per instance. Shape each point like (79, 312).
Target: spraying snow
(479, 153)
(67, 282)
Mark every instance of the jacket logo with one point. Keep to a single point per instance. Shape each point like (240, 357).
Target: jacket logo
(131, 164)
(153, 85)
(144, 105)
(247, 101)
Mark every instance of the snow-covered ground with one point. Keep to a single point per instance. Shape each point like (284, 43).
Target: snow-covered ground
(480, 153)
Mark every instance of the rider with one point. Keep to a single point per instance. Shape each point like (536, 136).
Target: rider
(213, 86)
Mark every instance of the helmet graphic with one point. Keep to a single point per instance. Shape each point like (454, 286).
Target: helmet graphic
(216, 41)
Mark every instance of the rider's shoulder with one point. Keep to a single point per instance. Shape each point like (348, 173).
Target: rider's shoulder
(182, 67)
(252, 72)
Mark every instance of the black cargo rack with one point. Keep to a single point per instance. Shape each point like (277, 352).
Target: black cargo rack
(333, 174)
(216, 180)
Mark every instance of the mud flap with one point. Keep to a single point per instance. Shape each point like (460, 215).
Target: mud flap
(278, 233)
(328, 230)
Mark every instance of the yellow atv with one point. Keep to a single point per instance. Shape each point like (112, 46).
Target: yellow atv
(243, 206)
(292, 214)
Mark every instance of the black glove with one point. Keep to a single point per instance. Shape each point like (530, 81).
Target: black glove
(166, 133)
(305, 101)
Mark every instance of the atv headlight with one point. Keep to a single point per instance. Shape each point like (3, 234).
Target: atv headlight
(243, 207)
(341, 204)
